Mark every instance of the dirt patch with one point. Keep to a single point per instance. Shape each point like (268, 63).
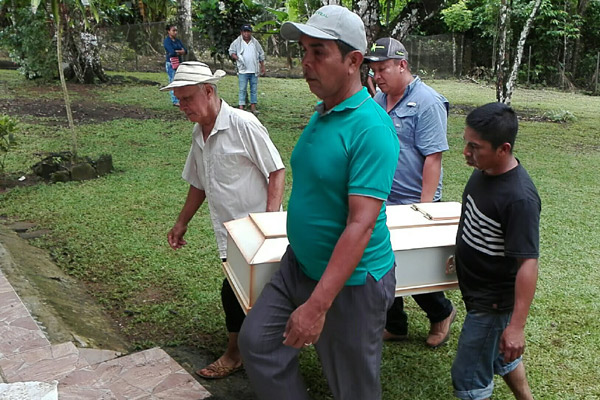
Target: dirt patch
(45, 105)
(9, 181)
(84, 112)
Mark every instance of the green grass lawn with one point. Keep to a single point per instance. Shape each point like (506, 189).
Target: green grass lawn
(111, 232)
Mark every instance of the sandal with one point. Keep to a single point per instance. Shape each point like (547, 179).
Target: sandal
(218, 370)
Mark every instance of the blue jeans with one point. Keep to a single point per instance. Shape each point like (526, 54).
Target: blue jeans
(243, 80)
(171, 74)
(478, 355)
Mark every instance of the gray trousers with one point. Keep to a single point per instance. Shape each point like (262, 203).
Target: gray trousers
(349, 347)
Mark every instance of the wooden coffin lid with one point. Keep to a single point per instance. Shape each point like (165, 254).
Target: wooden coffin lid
(262, 237)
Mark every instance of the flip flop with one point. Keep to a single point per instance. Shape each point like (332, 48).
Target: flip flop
(217, 370)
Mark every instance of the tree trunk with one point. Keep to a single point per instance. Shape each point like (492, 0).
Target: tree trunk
(414, 14)
(519, 54)
(462, 53)
(368, 11)
(63, 84)
(81, 49)
(453, 54)
(184, 22)
(581, 7)
(389, 4)
(288, 56)
(142, 10)
(503, 29)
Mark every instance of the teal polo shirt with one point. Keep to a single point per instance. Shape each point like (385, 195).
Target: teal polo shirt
(350, 150)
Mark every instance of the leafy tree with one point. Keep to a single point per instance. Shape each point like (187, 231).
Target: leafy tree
(28, 37)
(505, 86)
(588, 48)
(559, 30)
(301, 10)
(155, 10)
(8, 127)
(220, 21)
(116, 12)
(458, 18)
(59, 13)
(184, 23)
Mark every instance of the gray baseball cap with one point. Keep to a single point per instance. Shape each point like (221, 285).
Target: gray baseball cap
(385, 49)
(330, 23)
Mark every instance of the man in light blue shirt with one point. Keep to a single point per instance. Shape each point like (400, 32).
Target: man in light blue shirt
(420, 117)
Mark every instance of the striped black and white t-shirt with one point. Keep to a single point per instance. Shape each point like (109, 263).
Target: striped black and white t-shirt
(499, 224)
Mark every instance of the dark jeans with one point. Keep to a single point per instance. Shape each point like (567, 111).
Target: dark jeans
(436, 305)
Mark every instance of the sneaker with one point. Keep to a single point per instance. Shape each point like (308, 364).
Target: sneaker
(440, 331)
(392, 337)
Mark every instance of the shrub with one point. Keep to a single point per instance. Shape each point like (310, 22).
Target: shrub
(560, 116)
(30, 44)
(8, 127)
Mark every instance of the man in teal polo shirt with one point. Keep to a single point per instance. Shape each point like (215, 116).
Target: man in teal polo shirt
(336, 279)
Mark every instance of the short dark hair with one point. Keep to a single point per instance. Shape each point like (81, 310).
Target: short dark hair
(345, 48)
(496, 123)
(169, 26)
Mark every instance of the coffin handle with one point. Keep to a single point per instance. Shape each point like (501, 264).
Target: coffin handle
(450, 265)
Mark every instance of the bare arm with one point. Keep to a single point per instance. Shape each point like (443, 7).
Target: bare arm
(306, 322)
(512, 343)
(262, 67)
(194, 200)
(275, 190)
(432, 168)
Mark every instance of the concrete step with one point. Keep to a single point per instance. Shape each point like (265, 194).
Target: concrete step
(18, 330)
(97, 356)
(28, 361)
(45, 364)
(149, 374)
(29, 390)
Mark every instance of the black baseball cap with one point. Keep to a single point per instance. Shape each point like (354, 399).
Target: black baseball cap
(246, 27)
(385, 49)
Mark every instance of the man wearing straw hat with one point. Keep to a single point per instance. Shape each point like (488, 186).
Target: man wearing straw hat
(336, 279)
(233, 164)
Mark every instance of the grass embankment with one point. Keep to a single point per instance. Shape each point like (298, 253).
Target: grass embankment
(111, 232)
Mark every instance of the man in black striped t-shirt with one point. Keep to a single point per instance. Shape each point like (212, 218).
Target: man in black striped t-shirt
(497, 250)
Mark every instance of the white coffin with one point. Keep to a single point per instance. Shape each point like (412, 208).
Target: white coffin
(422, 237)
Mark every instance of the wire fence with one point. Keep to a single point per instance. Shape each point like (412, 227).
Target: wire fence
(139, 47)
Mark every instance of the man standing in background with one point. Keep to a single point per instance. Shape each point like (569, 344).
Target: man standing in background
(249, 56)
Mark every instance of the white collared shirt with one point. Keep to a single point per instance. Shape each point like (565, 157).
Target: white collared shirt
(232, 167)
(250, 57)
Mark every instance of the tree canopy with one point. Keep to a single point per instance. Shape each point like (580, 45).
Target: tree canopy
(563, 38)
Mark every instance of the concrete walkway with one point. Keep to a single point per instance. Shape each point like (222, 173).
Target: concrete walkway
(64, 371)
